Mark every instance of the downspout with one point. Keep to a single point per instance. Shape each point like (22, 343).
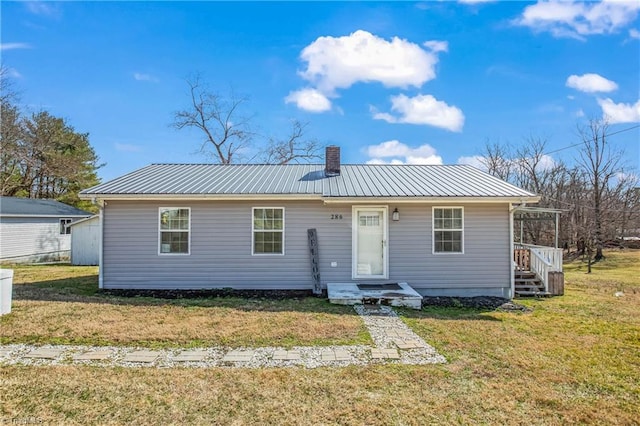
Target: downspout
(100, 243)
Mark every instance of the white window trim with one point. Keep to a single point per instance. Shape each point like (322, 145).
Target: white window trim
(354, 242)
(160, 231)
(253, 231)
(433, 232)
(67, 221)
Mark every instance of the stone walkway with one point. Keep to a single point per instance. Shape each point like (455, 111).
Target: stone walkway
(394, 343)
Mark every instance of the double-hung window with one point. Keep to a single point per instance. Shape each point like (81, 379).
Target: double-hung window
(268, 230)
(174, 229)
(448, 230)
(65, 229)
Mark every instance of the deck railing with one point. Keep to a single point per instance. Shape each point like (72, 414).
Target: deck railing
(542, 260)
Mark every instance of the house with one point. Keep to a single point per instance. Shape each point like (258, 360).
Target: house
(85, 241)
(34, 230)
(443, 229)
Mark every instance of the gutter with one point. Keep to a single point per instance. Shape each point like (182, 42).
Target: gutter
(309, 197)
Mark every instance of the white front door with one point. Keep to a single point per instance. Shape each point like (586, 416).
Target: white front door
(370, 242)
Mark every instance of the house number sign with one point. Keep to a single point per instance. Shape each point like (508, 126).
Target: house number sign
(336, 216)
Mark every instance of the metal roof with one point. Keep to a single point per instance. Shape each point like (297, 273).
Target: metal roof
(404, 181)
(15, 206)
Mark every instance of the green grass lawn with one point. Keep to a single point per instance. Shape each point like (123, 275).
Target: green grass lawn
(61, 304)
(574, 359)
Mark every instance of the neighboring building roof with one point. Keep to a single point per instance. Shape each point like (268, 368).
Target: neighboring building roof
(83, 220)
(369, 181)
(14, 206)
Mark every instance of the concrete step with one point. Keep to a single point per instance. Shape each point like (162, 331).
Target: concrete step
(351, 294)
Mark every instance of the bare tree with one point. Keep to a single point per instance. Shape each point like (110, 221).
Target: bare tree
(600, 165)
(219, 118)
(8, 93)
(496, 159)
(294, 149)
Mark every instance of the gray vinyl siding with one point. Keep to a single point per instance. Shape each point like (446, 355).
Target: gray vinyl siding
(32, 239)
(485, 262)
(220, 253)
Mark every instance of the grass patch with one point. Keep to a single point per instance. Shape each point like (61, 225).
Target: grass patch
(574, 360)
(61, 304)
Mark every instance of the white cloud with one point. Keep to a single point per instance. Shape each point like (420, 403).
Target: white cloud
(546, 163)
(477, 161)
(580, 113)
(145, 77)
(339, 62)
(43, 8)
(578, 19)
(125, 147)
(309, 99)
(620, 113)
(436, 45)
(591, 83)
(12, 46)
(633, 33)
(396, 152)
(425, 110)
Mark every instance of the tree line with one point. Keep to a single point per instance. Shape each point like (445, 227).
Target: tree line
(598, 197)
(41, 155)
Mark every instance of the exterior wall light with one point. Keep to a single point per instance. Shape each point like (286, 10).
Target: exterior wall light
(395, 216)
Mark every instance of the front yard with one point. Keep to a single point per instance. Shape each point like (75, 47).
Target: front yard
(61, 304)
(573, 359)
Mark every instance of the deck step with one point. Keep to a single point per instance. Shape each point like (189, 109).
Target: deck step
(532, 293)
(529, 288)
(525, 274)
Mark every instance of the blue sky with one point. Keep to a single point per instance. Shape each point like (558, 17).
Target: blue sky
(426, 82)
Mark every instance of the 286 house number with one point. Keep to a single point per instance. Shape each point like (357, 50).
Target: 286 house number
(336, 216)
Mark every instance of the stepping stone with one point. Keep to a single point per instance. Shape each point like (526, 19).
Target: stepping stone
(142, 356)
(99, 355)
(342, 355)
(327, 356)
(379, 353)
(191, 356)
(44, 353)
(238, 356)
(409, 344)
(281, 355)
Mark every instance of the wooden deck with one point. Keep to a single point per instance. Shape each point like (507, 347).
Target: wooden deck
(538, 270)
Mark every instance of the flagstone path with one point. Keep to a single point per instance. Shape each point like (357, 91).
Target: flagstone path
(394, 343)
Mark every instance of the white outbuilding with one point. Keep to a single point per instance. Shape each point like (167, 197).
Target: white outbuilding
(36, 230)
(85, 241)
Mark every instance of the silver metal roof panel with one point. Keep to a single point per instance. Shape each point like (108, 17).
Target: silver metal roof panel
(309, 179)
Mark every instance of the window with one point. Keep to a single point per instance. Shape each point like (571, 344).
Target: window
(370, 220)
(65, 229)
(268, 230)
(448, 227)
(174, 229)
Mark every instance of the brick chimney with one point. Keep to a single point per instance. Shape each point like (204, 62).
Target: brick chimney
(332, 161)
